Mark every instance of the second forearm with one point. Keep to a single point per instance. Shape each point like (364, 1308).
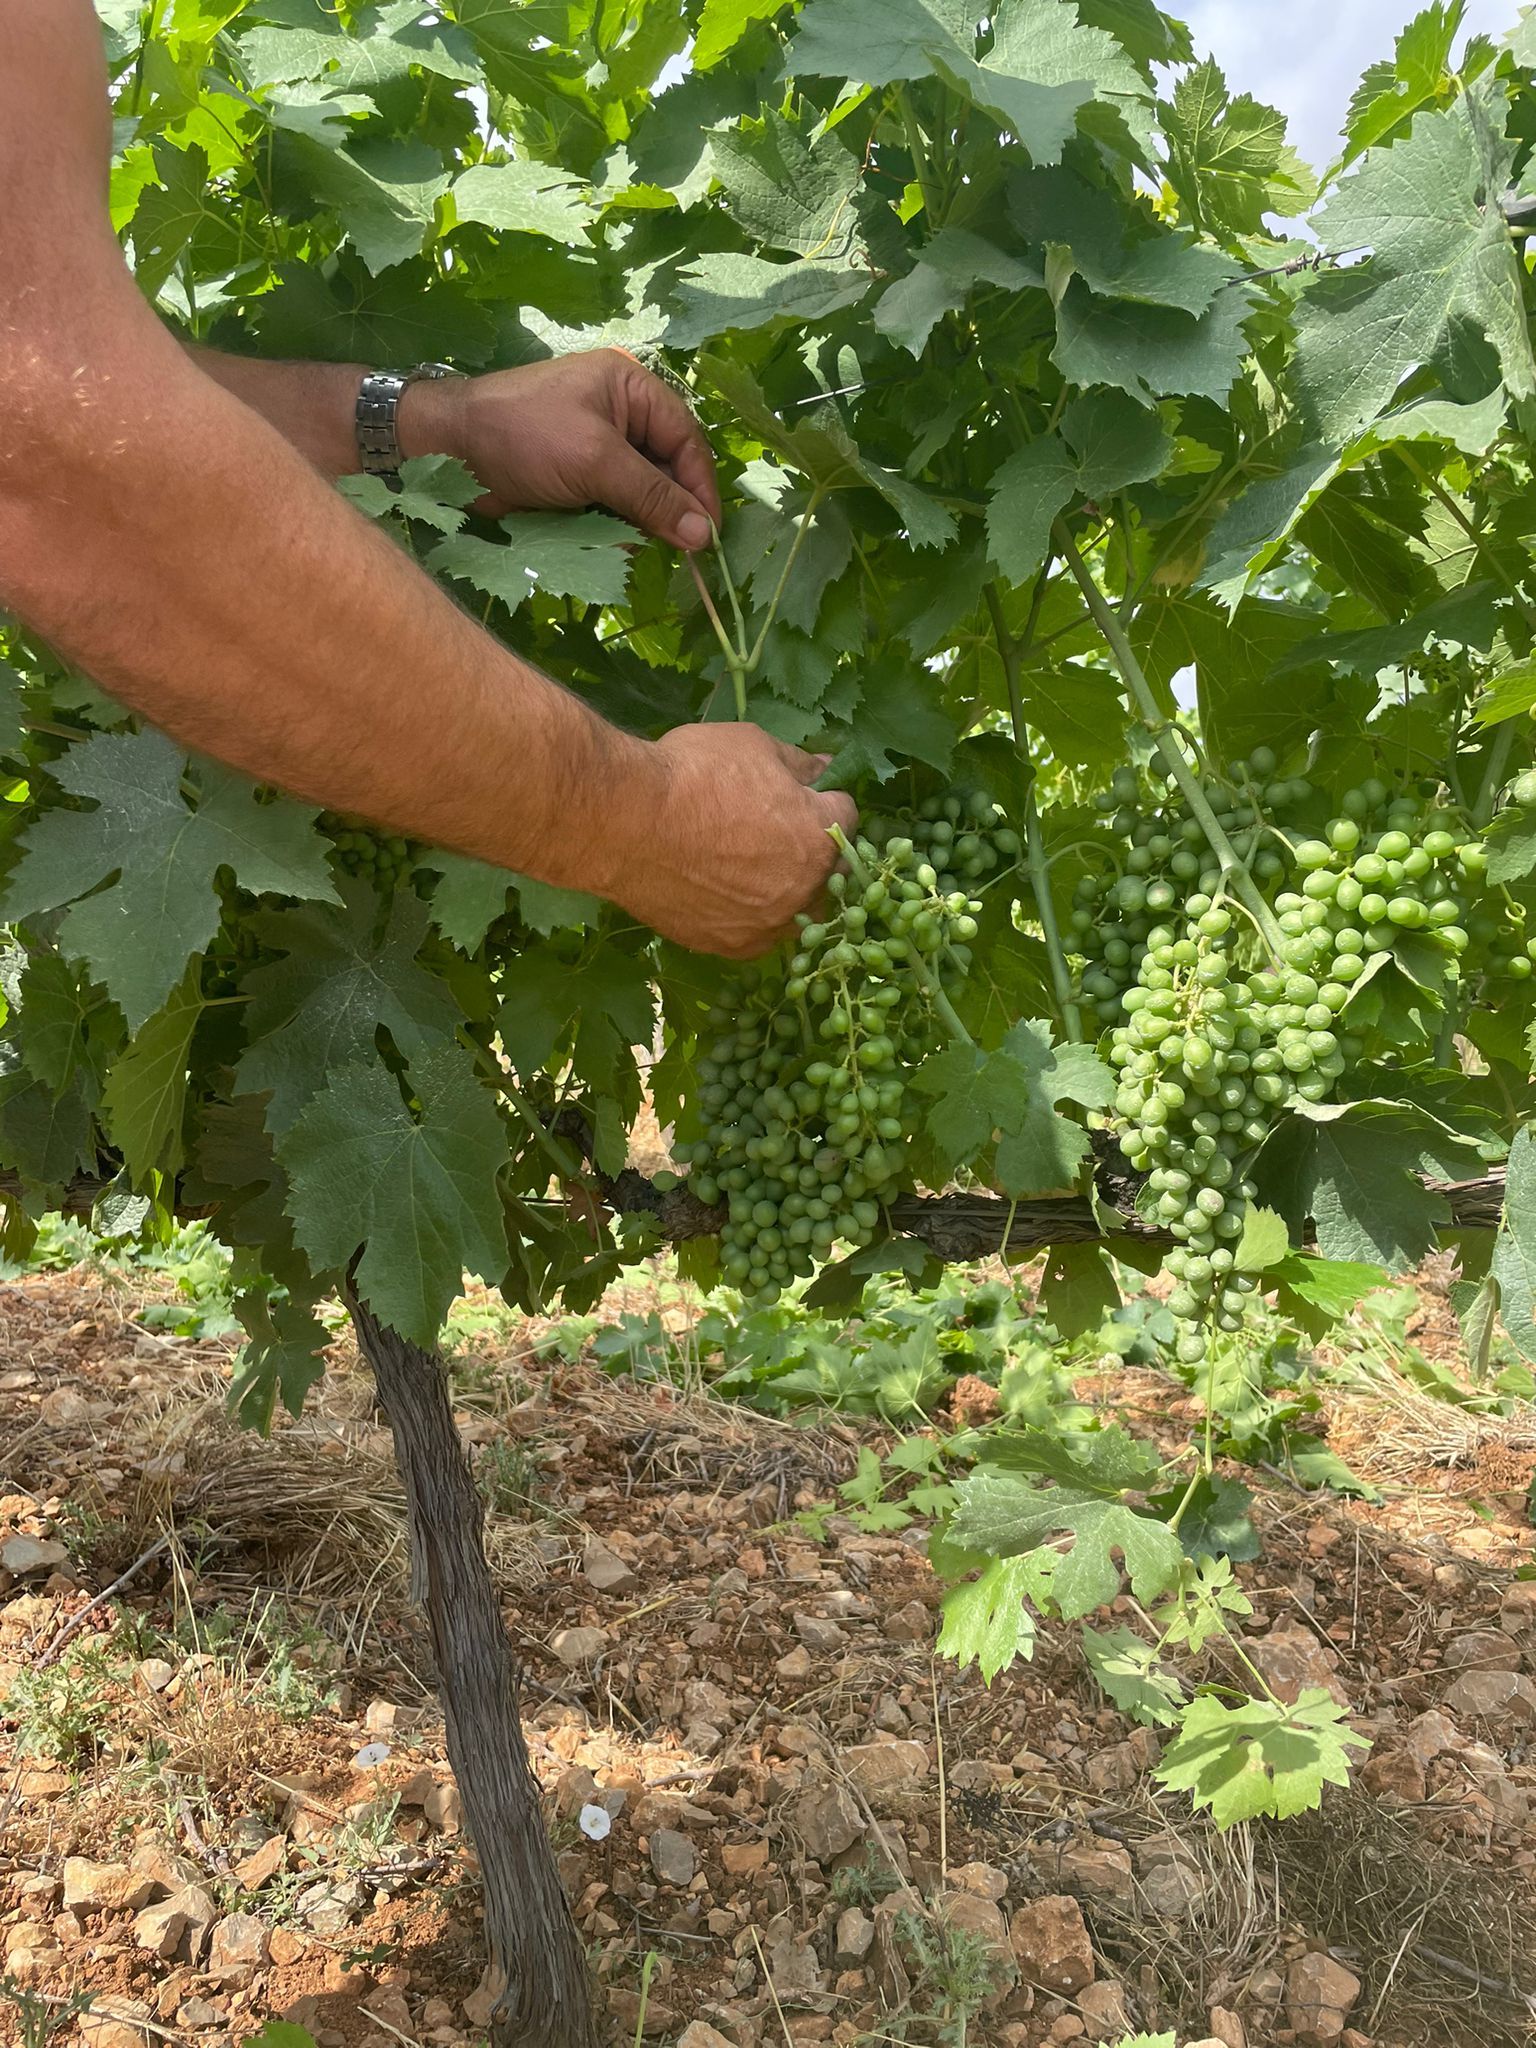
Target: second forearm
(314, 406)
(188, 559)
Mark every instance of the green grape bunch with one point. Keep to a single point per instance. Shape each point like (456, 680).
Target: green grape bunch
(804, 1093)
(385, 859)
(1220, 1023)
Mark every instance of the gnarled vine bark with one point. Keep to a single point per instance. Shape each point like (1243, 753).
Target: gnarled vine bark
(536, 1956)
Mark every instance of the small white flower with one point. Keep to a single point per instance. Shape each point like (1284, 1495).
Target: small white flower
(370, 1756)
(596, 1823)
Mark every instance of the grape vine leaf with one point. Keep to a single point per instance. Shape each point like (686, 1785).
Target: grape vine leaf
(436, 489)
(384, 193)
(1010, 1094)
(723, 23)
(146, 1092)
(584, 556)
(1128, 1671)
(788, 193)
(1442, 258)
(57, 1009)
(1002, 1514)
(941, 281)
(1229, 156)
(1363, 1185)
(160, 860)
(1477, 1304)
(986, 1622)
(1510, 695)
(417, 1193)
(1031, 490)
(1511, 843)
(322, 1004)
(525, 197)
(898, 718)
(12, 709)
(1319, 1293)
(1043, 69)
(1264, 1243)
(1150, 351)
(1514, 1252)
(47, 1135)
(1086, 231)
(730, 289)
(1391, 93)
(1260, 1758)
(284, 1356)
(379, 51)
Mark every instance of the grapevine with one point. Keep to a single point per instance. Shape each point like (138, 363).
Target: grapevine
(805, 1095)
(1174, 644)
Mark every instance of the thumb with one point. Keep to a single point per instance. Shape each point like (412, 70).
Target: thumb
(638, 491)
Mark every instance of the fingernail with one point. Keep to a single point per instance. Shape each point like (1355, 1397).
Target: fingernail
(693, 530)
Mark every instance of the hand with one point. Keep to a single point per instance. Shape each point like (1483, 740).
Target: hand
(592, 429)
(737, 844)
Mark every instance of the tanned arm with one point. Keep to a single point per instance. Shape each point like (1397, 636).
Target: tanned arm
(184, 553)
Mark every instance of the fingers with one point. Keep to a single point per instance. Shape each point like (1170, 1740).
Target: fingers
(660, 424)
(806, 768)
(838, 808)
(631, 485)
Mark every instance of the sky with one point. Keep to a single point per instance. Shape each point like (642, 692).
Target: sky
(1306, 56)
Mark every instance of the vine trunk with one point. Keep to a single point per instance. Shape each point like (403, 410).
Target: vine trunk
(537, 1963)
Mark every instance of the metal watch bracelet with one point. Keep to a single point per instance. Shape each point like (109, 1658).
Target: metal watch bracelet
(378, 412)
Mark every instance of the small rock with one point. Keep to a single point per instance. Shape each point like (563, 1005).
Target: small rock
(575, 1646)
(262, 1865)
(1293, 1661)
(741, 1859)
(114, 2023)
(1484, 1649)
(982, 1879)
(673, 1857)
(822, 1637)
(1492, 1696)
(1100, 1873)
(698, 2035)
(827, 1821)
(1394, 1774)
(1227, 2030)
(1173, 1889)
(444, 1808)
(381, 1717)
(178, 1924)
(910, 1624)
(1051, 1946)
(1429, 1736)
(104, 1887)
(879, 1766)
(1106, 2016)
(154, 1673)
(237, 1949)
(64, 1408)
(605, 1571)
(855, 1932)
(329, 1909)
(970, 1913)
(24, 1555)
(166, 1868)
(1319, 1995)
(196, 2013)
(796, 1663)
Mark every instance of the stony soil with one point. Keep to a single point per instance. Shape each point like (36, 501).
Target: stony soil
(224, 1797)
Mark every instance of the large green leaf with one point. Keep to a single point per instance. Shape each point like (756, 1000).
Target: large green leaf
(160, 857)
(413, 1189)
(1441, 258)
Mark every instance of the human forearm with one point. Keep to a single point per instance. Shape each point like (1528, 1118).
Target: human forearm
(183, 554)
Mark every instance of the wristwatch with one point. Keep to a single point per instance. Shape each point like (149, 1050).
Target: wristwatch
(378, 408)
